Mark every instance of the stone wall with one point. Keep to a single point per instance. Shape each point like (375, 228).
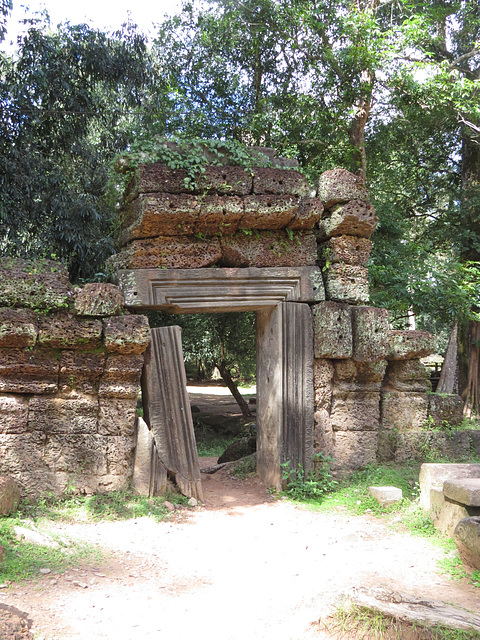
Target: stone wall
(70, 366)
(372, 393)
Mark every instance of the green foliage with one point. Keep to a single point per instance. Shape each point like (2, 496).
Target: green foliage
(313, 485)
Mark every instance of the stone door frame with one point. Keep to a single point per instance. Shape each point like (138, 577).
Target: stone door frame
(280, 297)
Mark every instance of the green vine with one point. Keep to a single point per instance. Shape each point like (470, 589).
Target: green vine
(191, 155)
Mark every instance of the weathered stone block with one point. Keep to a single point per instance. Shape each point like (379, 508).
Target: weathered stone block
(18, 328)
(332, 324)
(355, 411)
(347, 283)
(80, 371)
(34, 284)
(407, 375)
(225, 180)
(339, 185)
(121, 376)
(219, 215)
(445, 409)
(433, 476)
(463, 490)
(25, 371)
(322, 376)
(308, 213)
(161, 214)
(119, 455)
(268, 249)
(403, 411)
(117, 417)
(359, 376)
(370, 326)
(179, 252)
(409, 345)
(64, 331)
(13, 414)
(386, 495)
(98, 299)
(279, 182)
(156, 177)
(268, 212)
(69, 415)
(347, 249)
(357, 218)
(9, 496)
(354, 450)
(467, 538)
(126, 334)
(323, 434)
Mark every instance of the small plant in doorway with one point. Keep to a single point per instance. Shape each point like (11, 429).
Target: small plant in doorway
(313, 485)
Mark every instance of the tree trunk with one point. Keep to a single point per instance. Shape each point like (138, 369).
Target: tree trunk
(448, 382)
(227, 378)
(361, 111)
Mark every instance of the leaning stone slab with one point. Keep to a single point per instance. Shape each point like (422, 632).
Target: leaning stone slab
(18, 328)
(99, 299)
(25, 371)
(370, 326)
(409, 345)
(34, 284)
(9, 496)
(332, 324)
(268, 212)
(269, 249)
(126, 334)
(433, 477)
(65, 331)
(149, 474)
(347, 283)
(467, 538)
(355, 411)
(347, 249)
(463, 490)
(356, 218)
(403, 411)
(407, 376)
(445, 409)
(339, 185)
(386, 495)
(179, 252)
(279, 182)
(193, 291)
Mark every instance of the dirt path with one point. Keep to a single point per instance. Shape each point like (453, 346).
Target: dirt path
(242, 567)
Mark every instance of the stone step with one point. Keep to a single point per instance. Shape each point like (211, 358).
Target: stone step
(463, 490)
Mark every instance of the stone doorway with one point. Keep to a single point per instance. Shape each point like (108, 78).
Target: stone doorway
(280, 297)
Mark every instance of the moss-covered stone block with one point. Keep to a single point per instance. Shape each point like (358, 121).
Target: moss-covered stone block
(40, 285)
(407, 345)
(356, 218)
(407, 375)
(18, 328)
(219, 215)
(332, 324)
(308, 213)
(346, 249)
(268, 249)
(346, 283)
(99, 299)
(445, 409)
(80, 371)
(268, 180)
(126, 334)
(268, 212)
(339, 185)
(29, 370)
(370, 327)
(350, 375)
(66, 331)
(403, 411)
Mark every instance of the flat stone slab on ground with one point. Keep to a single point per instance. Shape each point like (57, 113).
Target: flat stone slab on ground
(386, 495)
(463, 490)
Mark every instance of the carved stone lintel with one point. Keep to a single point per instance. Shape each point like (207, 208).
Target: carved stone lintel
(214, 290)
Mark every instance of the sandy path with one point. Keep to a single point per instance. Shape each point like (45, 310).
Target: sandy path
(242, 567)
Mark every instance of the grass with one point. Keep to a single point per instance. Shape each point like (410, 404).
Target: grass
(360, 623)
(212, 445)
(24, 560)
